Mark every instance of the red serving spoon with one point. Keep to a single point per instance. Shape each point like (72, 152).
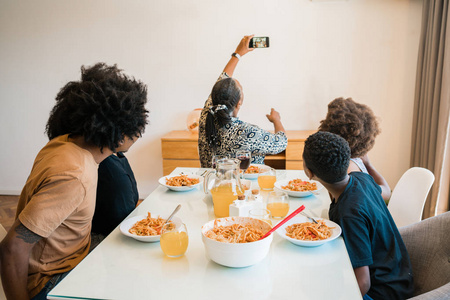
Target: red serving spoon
(297, 211)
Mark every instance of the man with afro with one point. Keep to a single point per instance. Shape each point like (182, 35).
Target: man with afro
(99, 115)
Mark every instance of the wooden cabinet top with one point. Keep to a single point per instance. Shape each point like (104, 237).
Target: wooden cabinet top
(187, 136)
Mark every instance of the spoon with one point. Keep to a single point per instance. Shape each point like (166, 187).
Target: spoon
(173, 213)
(295, 212)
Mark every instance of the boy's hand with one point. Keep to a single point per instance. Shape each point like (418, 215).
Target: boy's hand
(274, 116)
(243, 47)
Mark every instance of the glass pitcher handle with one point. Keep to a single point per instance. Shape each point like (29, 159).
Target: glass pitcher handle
(207, 180)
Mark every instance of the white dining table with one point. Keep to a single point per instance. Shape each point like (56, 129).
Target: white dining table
(124, 268)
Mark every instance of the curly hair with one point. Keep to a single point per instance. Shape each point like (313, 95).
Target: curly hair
(103, 107)
(354, 122)
(225, 92)
(327, 155)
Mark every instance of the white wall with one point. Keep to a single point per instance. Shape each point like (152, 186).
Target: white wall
(320, 50)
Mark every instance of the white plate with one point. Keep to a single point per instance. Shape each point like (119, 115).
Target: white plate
(279, 184)
(336, 232)
(128, 223)
(255, 175)
(162, 181)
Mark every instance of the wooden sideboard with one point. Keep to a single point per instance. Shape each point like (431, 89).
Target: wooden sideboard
(180, 149)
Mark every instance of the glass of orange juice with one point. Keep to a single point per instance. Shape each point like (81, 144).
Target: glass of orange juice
(278, 204)
(261, 214)
(266, 179)
(174, 239)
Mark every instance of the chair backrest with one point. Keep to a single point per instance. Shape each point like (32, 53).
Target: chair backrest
(2, 236)
(428, 245)
(409, 195)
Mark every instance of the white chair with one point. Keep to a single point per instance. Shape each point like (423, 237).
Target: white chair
(2, 236)
(409, 195)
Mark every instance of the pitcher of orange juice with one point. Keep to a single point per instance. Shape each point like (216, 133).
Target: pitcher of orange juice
(224, 184)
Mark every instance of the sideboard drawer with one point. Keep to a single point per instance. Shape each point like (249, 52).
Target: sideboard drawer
(294, 150)
(180, 150)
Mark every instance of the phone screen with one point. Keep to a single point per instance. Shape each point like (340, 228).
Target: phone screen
(259, 42)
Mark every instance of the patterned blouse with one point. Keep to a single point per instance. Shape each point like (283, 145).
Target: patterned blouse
(238, 135)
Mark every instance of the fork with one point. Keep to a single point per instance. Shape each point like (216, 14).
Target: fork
(309, 217)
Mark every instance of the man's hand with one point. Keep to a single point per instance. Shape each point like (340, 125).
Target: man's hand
(15, 251)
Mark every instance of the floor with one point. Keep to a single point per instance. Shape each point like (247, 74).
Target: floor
(8, 205)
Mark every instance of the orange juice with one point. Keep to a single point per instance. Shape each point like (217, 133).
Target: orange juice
(266, 182)
(174, 243)
(278, 209)
(223, 195)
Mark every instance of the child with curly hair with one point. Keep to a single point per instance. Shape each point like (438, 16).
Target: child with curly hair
(358, 125)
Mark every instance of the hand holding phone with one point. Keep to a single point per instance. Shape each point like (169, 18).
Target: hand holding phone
(243, 47)
(259, 42)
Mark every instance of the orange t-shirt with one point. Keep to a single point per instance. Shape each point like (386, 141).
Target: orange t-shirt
(58, 203)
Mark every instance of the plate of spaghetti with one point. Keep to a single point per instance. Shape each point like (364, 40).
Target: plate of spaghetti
(298, 187)
(182, 182)
(301, 231)
(253, 171)
(144, 228)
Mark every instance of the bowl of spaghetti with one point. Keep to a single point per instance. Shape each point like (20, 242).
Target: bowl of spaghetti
(301, 231)
(182, 182)
(234, 241)
(253, 171)
(144, 228)
(298, 187)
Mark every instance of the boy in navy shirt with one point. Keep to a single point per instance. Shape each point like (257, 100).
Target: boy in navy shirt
(376, 250)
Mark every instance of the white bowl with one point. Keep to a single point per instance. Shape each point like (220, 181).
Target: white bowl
(162, 181)
(335, 232)
(255, 175)
(128, 223)
(279, 185)
(237, 255)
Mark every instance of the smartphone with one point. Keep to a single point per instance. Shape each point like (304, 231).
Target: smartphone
(259, 42)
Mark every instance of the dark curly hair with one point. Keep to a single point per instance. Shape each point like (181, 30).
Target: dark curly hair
(103, 107)
(225, 92)
(327, 155)
(355, 122)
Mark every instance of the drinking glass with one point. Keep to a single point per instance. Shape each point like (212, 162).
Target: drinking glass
(216, 158)
(247, 185)
(174, 239)
(278, 204)
(245, 157)
(261, 214)
(266, 179)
